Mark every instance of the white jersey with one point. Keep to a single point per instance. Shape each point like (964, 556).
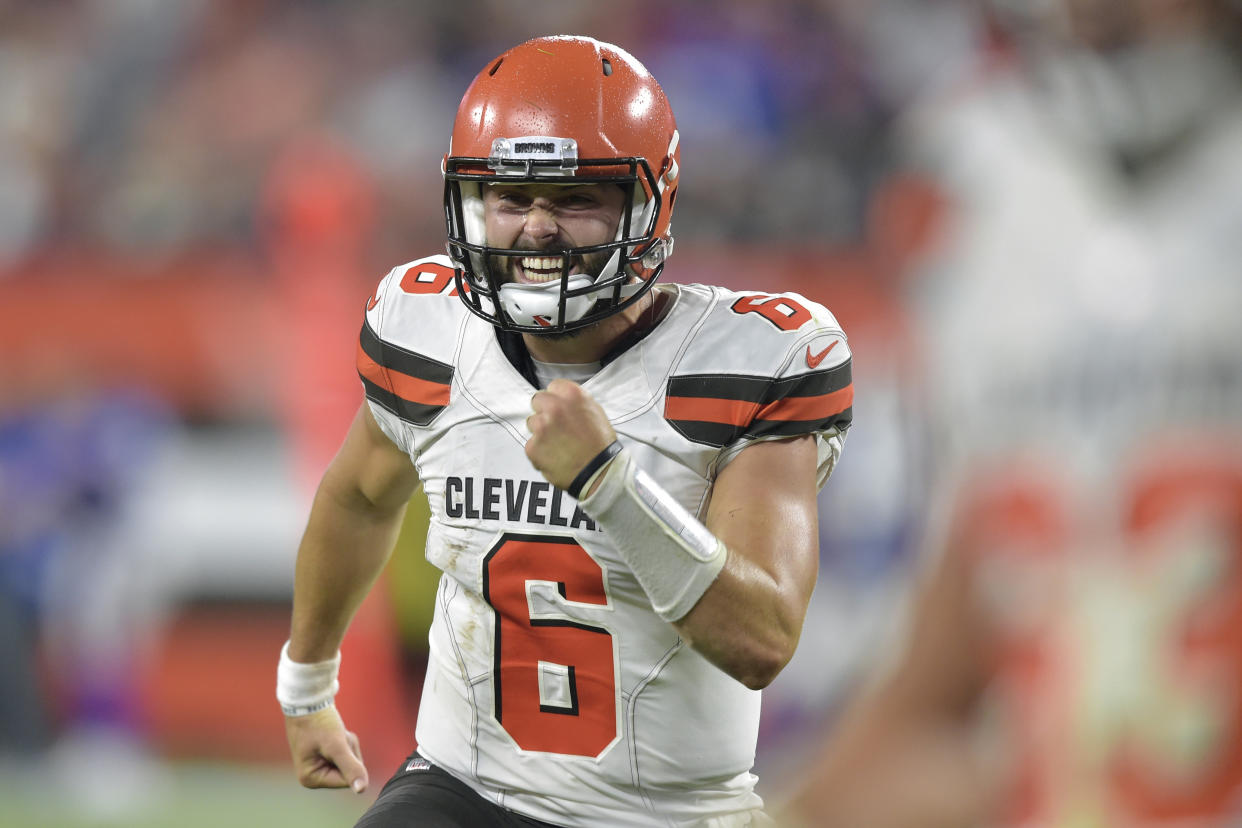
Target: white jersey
(553, 688)
(1084, 356)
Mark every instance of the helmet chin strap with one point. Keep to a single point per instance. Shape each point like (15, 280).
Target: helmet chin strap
(539, 304)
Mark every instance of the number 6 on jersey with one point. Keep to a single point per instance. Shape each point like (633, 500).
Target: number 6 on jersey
(554, 678)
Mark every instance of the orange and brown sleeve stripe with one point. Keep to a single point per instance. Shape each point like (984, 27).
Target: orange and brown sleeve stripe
(411, 386)
(718, 409)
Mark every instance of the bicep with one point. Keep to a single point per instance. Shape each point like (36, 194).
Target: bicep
(763, 508)
(370, 470)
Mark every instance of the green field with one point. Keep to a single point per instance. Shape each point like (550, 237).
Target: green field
(174, 795)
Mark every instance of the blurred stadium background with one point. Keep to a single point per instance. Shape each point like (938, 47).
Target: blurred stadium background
(197, 198)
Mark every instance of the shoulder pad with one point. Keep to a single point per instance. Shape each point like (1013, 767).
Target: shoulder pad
(405, 348)
(763, 365)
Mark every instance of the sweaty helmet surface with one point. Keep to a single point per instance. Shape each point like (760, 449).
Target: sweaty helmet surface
(570, 110)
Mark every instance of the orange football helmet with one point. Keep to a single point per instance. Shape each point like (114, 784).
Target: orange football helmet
(573, 110)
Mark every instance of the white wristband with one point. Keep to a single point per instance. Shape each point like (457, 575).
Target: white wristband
(673, 555)
(303, 689)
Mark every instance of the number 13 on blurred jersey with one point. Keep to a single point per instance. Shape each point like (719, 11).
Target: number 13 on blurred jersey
(1121, 635)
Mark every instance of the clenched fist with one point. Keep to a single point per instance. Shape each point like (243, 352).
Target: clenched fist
(325, 754)
(568, 428)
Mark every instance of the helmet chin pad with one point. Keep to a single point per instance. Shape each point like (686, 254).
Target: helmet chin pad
(539, 304)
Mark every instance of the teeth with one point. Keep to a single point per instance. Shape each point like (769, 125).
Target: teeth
(542, 268)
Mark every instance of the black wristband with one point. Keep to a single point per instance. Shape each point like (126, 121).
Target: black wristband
(610, 451)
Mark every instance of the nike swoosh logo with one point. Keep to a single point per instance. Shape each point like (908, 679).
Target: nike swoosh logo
(813, 360)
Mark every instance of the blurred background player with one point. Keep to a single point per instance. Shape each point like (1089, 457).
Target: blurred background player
(1075, 658)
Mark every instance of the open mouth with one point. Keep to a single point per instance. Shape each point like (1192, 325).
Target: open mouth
(539, 269)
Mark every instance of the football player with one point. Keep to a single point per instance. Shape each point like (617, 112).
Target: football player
(1076, 656)
(622, 478)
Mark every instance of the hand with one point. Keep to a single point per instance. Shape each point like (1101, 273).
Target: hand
(568, 428)
(325, 754)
